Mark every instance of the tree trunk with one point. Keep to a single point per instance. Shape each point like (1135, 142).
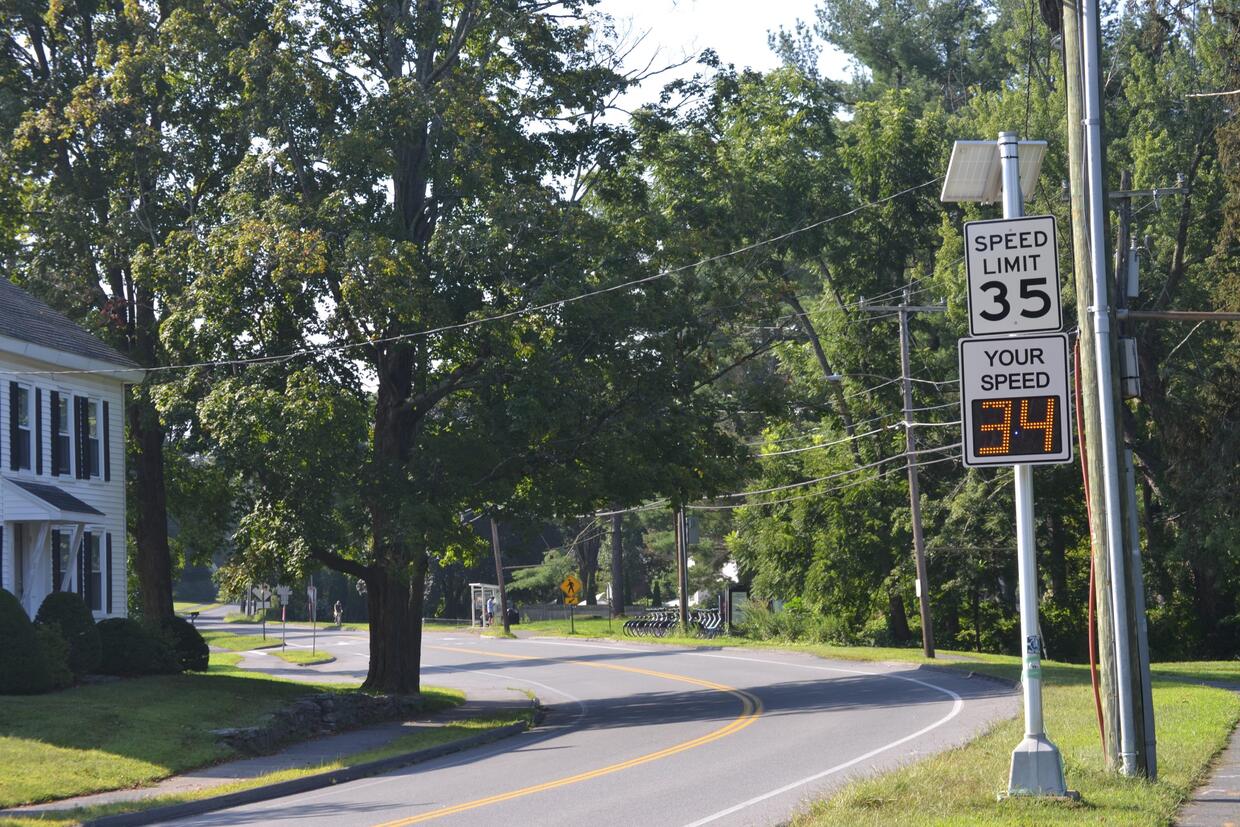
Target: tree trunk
(152, 561)
(396, 580)
(395, 604)
(587, 563)
(897, 618)
(829, 376)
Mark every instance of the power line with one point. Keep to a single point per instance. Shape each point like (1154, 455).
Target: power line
(345, 346)
(880, 475)
(818, 431)
(853, 470)
(805, 448)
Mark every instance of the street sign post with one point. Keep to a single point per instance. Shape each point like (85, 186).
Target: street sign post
(1013, 273)
(1014, 399)
(262, 599)
(284, 592)
(312, 599)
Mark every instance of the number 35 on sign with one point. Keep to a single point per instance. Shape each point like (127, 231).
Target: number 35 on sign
(1013, 270)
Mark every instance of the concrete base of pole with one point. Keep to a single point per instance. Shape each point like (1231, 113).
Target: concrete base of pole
(1037, 768)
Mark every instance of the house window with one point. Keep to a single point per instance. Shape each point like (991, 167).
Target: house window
(94, 456)
(23, 427)
(64, 439)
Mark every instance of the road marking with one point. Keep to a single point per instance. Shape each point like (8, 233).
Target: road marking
(751, 710)
(957, 706)
(545, 641)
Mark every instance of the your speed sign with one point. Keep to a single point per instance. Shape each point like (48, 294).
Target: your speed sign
(1013, 270)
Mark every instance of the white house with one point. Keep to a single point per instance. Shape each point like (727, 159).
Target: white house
(62, 457)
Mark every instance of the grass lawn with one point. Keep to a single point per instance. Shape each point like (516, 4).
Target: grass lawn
(960, 786)
(274, 617)
(239, 643)
(128, 733)
(185, 607)
(303, 657)
(423, 739)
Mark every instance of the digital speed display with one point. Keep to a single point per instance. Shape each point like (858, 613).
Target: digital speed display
(1016, 426)
(1015, 400)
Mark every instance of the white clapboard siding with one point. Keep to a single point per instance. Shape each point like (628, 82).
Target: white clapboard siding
(106, 496)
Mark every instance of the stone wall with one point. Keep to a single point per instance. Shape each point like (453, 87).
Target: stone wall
(321, 714)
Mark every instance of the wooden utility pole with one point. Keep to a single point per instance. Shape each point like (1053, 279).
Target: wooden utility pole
(499, 575)
(1125, 271)
(617, 567)
(910, 458)
(682, 569)
(1092, 460)
(1091, 404)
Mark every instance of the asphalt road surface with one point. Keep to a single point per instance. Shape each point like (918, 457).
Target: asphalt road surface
(645, 734)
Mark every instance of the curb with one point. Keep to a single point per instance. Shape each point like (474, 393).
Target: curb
(157, 815)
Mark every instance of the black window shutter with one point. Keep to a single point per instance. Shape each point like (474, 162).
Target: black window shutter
(38, 430)
(107, 588)
(107, 453)
(54, 401)
(79, 437)
(84, 567)
(13, 426)
(55, 561)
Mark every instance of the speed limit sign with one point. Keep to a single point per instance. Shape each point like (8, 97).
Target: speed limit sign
(1013, 273)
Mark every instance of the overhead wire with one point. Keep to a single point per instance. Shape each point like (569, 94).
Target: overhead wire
(836, 475)
(811, 494)
(557, 303)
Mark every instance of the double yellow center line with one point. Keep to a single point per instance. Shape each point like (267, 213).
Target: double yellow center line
(751, 709)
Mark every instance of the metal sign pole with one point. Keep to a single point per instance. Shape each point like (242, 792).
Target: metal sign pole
(1037, 767)
(1091, 71)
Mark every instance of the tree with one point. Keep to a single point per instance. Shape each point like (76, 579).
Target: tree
(120, 130)
(446, 167)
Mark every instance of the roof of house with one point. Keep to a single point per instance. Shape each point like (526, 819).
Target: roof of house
(24, 317)
(57, 498)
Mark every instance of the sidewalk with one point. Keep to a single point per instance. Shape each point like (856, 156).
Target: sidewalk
(312, 753)
(1217, 802)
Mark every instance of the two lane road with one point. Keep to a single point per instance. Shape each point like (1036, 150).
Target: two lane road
(642, 734)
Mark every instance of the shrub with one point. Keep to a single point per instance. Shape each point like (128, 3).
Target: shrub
(55, 654)
(795, 623)
(130, 648)
(23, 666)
(191, 650)
(70, 616)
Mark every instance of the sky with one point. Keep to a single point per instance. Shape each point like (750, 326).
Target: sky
(736, 29)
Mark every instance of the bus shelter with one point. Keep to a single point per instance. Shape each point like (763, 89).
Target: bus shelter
(478, 595)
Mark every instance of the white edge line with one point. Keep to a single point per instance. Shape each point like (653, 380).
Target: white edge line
(957, 706)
